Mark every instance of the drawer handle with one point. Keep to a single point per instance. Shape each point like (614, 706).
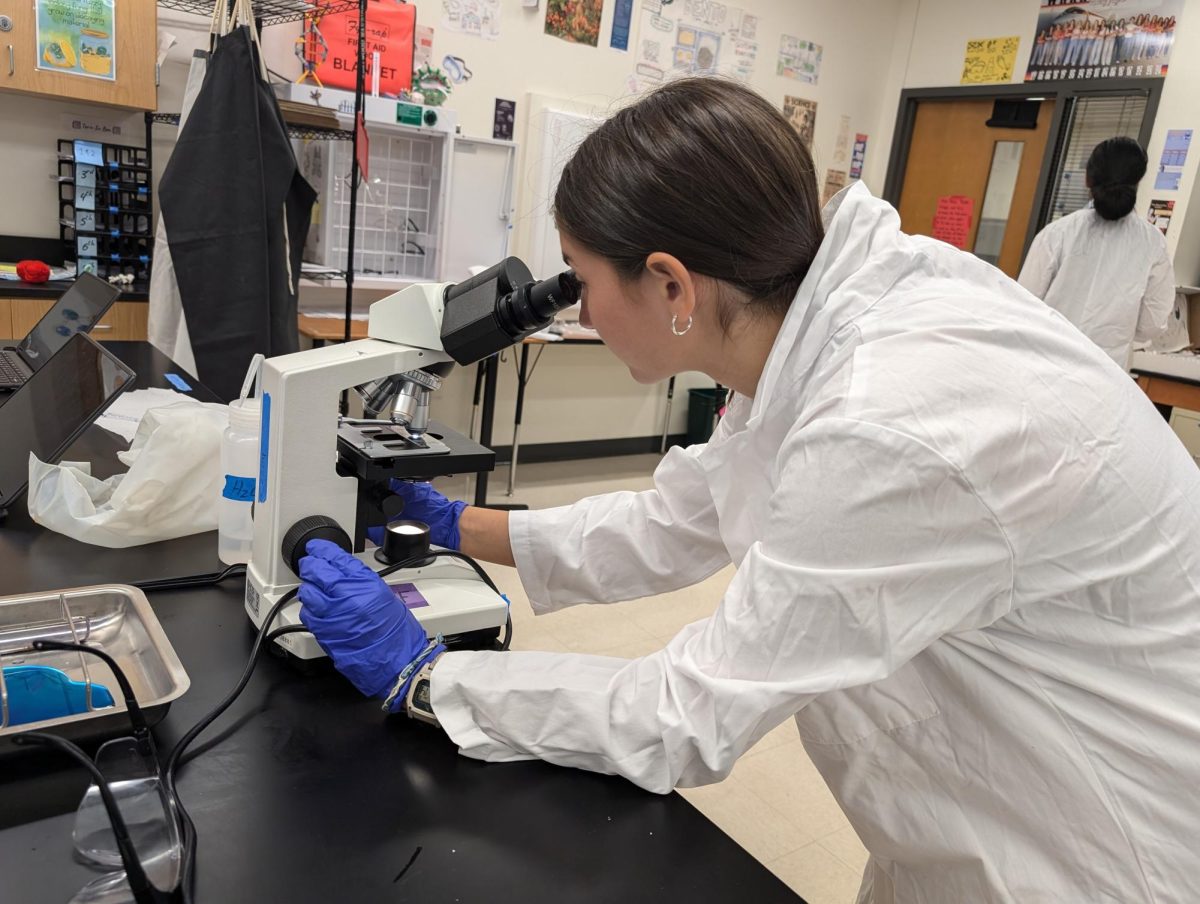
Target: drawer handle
(12, 64)
(102, 326)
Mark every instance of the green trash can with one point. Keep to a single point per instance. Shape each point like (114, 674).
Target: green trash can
(703, 405)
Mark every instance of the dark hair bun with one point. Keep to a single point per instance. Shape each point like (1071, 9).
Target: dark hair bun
(1114, 201)
(1114, 169)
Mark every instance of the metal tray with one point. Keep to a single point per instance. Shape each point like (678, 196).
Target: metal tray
(114, 618)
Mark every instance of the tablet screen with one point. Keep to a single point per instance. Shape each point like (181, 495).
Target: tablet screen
(53, 407)
(75, 312)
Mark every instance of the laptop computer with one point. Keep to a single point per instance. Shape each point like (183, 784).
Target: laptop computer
(54, 406)
(77, 310)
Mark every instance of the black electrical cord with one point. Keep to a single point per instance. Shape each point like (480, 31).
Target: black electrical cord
(209, 579)
(176, 757)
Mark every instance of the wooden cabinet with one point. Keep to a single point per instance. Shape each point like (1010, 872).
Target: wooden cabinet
(125, 320)
(136, 42)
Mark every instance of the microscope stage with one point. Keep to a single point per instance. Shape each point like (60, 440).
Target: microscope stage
(392, 454)
(387, 441)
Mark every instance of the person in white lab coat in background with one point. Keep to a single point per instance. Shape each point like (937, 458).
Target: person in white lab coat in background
(1104, 268)
(967, 548)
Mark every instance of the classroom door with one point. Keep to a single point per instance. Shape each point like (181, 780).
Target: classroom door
(971, 183)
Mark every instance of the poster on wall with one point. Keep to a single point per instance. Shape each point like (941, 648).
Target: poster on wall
(802, 114)
(952, 220)
(799, 59)
(1096, 39)
(990, 60)
(622, 18)
(692, 37)
(422, 46)
(478, 18)
(835, 181)
(841, 148)
(1174, 156)
(696, 52)
(858, 156)
(77, 37)
(504, 119)
(1160, 214)
(576, 21)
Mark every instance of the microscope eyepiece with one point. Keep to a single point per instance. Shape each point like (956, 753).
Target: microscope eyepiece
(501, 306)
(531, 307)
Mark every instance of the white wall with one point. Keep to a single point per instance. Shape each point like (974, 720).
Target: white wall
(940, 30)
(582, 393)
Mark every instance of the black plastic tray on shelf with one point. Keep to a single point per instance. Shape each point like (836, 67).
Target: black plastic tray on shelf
(105, 207)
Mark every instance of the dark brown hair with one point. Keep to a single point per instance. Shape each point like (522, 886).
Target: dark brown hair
(705, 170)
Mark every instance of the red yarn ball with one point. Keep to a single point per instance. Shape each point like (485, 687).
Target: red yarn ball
(33, 271)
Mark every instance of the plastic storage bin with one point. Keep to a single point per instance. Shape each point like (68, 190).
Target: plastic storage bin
(703, 405)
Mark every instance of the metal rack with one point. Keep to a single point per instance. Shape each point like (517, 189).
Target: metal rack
(64, 629)
(294, 131)
(269, 12)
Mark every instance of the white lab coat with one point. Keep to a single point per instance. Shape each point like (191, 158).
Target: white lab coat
(968, 564)
(1111, 278)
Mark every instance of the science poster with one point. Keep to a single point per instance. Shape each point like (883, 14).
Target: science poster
(802, 114)
(77, 37)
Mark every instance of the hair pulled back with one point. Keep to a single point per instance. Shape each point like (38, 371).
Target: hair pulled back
(706, 170)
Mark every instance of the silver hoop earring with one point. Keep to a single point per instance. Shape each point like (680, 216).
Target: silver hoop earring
(675, 329)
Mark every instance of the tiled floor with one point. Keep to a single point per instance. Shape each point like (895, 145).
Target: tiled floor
(774, 804)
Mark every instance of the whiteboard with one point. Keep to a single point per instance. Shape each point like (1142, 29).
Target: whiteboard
(561, 133)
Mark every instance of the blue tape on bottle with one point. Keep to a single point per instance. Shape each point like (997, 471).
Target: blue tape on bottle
(239, 489)
(264, 445)
(178, 382)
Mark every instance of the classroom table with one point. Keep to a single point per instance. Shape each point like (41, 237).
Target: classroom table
(305, 792)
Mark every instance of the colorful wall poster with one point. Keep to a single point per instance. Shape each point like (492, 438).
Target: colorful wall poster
(990, 60)
(478, 18)
(1160, 214)
(802, 114)
(1174, 156)
(77, 37)
(835, 181)
(799, 59)
(858, 156)
(577, 21)
(952, 220)
(1096, 39)
(622, 17)
(696, 52)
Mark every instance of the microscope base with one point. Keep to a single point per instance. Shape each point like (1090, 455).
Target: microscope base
(447, 598)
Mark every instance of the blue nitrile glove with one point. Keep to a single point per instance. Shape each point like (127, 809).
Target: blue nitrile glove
(367, 631)
(423, 503)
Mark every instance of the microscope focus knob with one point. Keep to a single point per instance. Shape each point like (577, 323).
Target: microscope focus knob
(314, 527)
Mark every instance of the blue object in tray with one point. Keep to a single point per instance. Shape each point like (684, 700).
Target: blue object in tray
(38, 692)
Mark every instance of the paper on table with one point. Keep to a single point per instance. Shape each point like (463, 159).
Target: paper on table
(124, 414)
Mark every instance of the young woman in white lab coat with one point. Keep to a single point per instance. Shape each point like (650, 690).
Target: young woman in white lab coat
(967, 548)
(1104, 268)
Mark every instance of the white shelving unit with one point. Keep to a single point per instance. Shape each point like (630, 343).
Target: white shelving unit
(399, 220)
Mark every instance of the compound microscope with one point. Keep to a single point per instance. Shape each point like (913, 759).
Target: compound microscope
(325, 475)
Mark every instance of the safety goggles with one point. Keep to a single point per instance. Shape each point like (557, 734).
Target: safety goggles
(128, 823)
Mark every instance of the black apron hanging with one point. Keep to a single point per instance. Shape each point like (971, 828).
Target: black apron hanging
(237, 212)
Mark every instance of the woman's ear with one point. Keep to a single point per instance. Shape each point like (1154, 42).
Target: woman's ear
(672, 284)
